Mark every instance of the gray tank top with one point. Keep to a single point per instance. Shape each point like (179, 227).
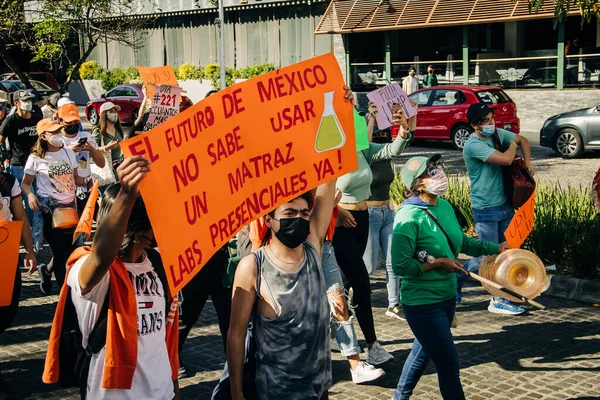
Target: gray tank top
(293, 351)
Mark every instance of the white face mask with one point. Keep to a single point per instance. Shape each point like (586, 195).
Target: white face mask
(26, 106)
(437, 184)
(55, 140)
(112, 117)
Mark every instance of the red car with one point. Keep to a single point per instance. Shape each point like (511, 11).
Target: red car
(44, 77)
(443, 111)
(129, 98)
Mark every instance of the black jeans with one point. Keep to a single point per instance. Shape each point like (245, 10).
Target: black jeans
(61, 243)
(349, 245)
(208, 282)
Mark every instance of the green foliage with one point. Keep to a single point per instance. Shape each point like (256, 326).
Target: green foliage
(254, 70)
(90, 70)
(132, 75)
(113, 78)
(566, 229)
(189, 71)
(50, 36)
(587, 8)
(212, 73)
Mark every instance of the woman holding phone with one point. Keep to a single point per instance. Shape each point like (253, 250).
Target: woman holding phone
(109, 134)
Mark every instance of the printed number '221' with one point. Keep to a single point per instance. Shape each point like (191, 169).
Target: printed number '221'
(168, 100)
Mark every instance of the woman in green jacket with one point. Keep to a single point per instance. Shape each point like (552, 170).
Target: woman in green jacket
(426, 259)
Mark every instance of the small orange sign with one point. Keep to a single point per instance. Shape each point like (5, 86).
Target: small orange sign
(87, 216)
(240, 153)
(10, 239)
(157, 76)
(522, 224)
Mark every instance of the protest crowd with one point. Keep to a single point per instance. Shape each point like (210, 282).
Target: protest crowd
(285, 287)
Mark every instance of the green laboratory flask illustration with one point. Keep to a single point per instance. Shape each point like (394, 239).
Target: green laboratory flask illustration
(330, 134)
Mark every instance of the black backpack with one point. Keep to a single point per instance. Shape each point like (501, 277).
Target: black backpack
(74, 360)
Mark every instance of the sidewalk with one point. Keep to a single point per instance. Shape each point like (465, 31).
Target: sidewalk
(553, 354)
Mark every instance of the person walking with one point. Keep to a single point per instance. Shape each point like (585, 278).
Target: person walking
(430, 79)
(54, 169)
(108, 134)
(492, 212)
(352, 231)
(381, 221)
(410, 83)
(139, 359)
(425, 224)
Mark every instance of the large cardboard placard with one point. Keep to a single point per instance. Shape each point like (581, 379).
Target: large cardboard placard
(10, 238)
(522, 224)
(157, 76)
(165, 105)
(240, 153)
(385, 98)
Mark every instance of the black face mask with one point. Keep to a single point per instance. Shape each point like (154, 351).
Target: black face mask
(71, 129)
(292, 231)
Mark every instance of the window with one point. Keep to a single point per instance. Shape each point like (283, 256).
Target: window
(128, 91)
(447, 98)
(493, 97)
(116, 92)
(421, 98)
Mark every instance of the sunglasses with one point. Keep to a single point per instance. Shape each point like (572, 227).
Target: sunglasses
(434, 170)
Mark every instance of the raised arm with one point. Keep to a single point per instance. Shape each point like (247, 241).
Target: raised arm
(110, 233)
(387, 151)
(321, 213)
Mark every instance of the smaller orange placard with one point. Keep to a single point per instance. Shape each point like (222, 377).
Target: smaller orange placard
(157, 76)
(10, 238)
(521, 225)
(87, 216)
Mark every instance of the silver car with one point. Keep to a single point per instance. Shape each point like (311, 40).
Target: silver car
(571, 133)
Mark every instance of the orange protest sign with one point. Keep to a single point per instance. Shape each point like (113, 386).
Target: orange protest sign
(522, 224)
(240, 153)
(10, 239)
(87, 216)
(156, 76)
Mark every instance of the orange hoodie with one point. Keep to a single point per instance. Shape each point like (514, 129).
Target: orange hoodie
(121, 330)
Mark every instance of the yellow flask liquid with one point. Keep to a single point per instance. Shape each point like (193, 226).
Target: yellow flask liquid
(329, 135)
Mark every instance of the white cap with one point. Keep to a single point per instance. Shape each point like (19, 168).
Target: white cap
(64, 100)
(109, 106)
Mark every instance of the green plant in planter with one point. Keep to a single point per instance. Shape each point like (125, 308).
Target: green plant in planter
(90, 70)
(113, 78)
(190, 72)
(132, 75)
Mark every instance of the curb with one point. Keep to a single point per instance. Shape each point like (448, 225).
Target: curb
(567, 287)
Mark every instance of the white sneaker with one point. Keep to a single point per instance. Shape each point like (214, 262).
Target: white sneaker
(378, 355)
(365, 372)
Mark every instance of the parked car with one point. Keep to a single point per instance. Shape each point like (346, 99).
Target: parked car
(44, 77)
(571, 133)
(9, 87)
(443, 111)
(129, 98)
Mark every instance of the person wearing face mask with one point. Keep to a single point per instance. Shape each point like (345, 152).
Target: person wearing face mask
(410, 84)
(426, 223)
(19, 129)
(84, 147)
(54, 168)
(430, 79)
(492, 212)
(109, 133)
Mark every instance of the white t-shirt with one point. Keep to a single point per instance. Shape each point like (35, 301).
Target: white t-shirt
(54, 174)
(83, 157)
(152, 377)
(6, 199)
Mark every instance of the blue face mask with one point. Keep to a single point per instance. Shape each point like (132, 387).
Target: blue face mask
(488, 130)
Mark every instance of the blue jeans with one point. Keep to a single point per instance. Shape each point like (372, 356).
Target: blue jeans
(430, 324)
(344, 332)
(490, 225)
(381, 226)
(35, 218)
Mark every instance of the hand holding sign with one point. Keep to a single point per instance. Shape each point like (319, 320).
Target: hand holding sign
(157, 76)
(387, 99)
(522, 224)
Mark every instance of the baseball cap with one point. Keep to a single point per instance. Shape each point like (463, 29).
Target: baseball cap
(69, 113)
(47, 125)
(22, 95)
(64, 100)
(477, 112)
(415, 167)
(109, 106)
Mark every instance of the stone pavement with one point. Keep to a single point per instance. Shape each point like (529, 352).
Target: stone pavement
(553, 354)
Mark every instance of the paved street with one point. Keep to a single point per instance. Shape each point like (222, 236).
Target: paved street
(553, 354)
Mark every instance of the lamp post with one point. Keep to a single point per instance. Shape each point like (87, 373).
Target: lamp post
(222, 44)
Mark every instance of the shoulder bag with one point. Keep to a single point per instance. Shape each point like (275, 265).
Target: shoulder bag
(65, 217)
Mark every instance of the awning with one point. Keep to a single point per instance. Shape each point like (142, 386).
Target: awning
(347, 16)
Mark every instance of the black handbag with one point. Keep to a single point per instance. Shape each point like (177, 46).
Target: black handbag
(223, 389)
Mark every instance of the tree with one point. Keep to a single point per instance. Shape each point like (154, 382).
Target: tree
(587, 8)
(14, 34)
(90, 21)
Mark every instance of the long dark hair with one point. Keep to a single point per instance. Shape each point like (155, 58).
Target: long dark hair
(103, 122)
(40, 148)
